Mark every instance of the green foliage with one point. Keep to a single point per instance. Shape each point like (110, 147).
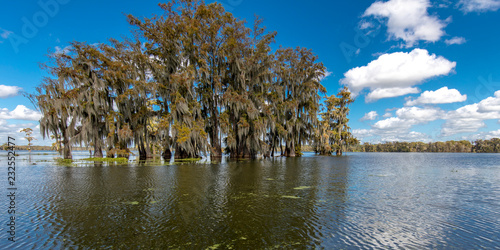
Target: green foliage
(333, 133)
(463, 146)
(186, 81)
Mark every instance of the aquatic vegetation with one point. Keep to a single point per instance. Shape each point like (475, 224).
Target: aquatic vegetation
(119, 159)
(187, 160)
(64, 162)
(302, 187)
(131, 202)
(290, 197)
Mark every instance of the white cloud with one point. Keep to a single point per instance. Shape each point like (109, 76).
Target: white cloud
(442, 95)
(327, 74)
(479, 5)
(464, 125)
(408, 20)
(490, 103)
(370, 116)
(8, 91)
(416, 115)
(380, 93)
(397, 73)
(366, 25)
(64, 50)
(399, 128)
(483, 135)
(470, 118)
(5, 33)
(455, 40)
(387, 115)
(21, 112)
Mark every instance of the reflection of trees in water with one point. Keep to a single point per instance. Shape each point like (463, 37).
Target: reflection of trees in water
(105, 206)
(237, 204)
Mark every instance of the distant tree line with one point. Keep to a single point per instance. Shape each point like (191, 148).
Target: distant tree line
(190, 82)
(463, 146)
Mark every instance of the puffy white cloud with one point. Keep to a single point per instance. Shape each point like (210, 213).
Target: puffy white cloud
(361, 133)
(397, 73)
(8, 91)
(399, 128)
(455, 40)
(380, 93)
(452, 127)
(370, 116)
(21, 112)
(419, 115)
(408, 20)
(392, 123)
(490, 104)
(483, 135)
(470, 118)
(479, 5)
(442, 95)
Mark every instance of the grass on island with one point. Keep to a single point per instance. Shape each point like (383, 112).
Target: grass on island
(64, 162)
(119, 159)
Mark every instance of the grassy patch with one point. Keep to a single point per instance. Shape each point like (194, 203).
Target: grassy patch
(119, 159)
(64, 162)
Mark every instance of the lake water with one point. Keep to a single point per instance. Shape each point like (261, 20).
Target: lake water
(362, 200)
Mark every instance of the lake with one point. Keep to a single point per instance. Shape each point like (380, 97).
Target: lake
(362, 200)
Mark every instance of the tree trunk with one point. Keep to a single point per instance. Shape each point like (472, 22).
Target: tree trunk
(142, 151)
(97, 150)
(149, 155)
(167, 154)
(216, 149)
(339, 152)
(67, 148)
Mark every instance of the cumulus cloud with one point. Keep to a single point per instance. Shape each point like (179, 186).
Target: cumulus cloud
(463, 125)
(470, 118)
(408, 20)
(478, 5)
(8, 91)
(370, 116)
(490, 104)
(21, 112)
(455, 40)
(442, 95)
(483, 135)
(395, 74)
(380, 93)
(467, 119)
(399, 128)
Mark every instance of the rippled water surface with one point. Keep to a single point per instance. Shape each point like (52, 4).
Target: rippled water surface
(363, 200)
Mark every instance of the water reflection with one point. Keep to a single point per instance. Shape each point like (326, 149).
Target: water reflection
(358, 201)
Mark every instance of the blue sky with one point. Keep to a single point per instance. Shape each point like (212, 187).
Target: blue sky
(421, 70)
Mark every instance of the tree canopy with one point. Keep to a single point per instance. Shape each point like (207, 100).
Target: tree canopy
(190, 82)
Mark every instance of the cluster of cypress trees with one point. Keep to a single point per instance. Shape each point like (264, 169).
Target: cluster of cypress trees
(190, 82)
